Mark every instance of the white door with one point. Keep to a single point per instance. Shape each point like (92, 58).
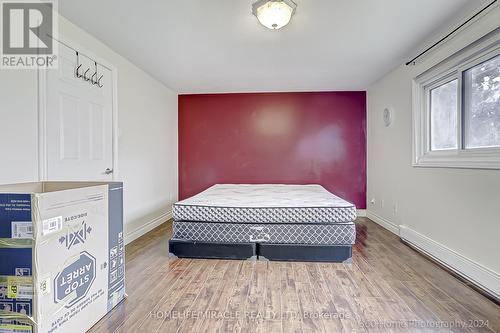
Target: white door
(79, 126)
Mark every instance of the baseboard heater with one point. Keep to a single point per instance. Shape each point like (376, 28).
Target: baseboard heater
(471, 282)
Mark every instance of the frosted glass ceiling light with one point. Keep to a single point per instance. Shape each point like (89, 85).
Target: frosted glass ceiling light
(274, 14)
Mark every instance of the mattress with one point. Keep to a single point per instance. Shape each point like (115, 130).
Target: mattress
(331, 234)
(231, 203)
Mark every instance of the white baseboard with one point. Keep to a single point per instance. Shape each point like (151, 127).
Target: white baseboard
(361, 212)
(394, 228)
(146, 227)
(483, 277)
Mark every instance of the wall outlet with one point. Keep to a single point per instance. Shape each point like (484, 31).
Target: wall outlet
(382, 203)
(395, 208)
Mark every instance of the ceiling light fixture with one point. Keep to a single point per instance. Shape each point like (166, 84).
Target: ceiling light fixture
(274, 14)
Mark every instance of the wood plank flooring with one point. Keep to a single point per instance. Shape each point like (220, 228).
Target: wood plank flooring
(387, 288)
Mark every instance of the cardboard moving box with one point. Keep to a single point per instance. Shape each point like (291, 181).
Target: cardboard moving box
(62, 258)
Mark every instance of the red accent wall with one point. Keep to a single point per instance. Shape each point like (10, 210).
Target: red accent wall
(289, 138)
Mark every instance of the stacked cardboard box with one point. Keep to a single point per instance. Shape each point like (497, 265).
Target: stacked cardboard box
(61, 255)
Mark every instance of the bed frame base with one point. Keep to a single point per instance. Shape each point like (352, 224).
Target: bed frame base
(304, 252)
(207, 250)
(262, 251)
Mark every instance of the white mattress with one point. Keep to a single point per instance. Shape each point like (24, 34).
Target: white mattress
(265, 204)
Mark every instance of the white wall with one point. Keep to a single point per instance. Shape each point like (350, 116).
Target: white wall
(18, 126)
(147, 143)
(451, 213)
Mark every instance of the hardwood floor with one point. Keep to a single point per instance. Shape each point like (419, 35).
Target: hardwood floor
(387, 288)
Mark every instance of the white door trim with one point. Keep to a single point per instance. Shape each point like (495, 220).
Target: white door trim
(42, 110)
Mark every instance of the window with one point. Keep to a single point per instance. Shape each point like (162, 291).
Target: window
(456, 109)
(482, 104)
(443, 110)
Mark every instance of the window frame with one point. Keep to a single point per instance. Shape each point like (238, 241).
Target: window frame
(450, 69)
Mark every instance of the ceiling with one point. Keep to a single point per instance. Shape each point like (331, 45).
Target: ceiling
(196, 46)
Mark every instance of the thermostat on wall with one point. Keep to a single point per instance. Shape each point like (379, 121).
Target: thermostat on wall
(387, 114)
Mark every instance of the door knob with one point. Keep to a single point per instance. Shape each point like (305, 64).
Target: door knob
(108, 171)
